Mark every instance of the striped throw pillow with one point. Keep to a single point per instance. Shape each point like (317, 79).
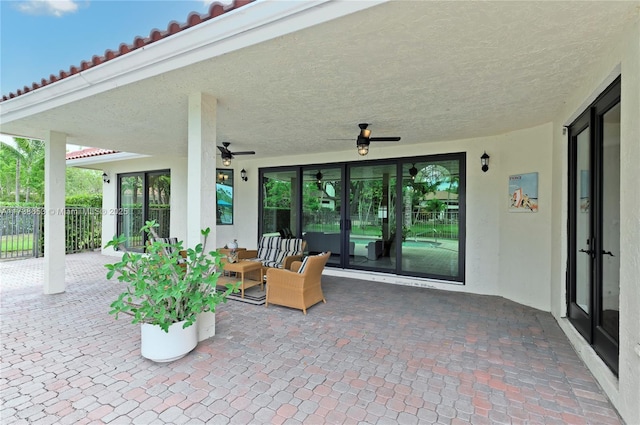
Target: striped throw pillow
(303, 265)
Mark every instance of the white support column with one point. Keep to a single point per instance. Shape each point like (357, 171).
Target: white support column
(54, 221)
(201, 184)
(201, 169)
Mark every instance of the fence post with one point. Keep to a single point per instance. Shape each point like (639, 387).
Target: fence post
(35, 250)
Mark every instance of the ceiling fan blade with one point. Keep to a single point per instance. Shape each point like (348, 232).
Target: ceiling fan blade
(223, 149)
(384, 139)
(243, 153)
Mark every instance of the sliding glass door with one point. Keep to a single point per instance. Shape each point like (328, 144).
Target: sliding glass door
(280, 201)
(431, 217)
(372, 216)
(321, 209)
(141, 197)
(402, 215)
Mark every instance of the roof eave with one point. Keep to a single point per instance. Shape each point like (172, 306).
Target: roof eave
(254, 23)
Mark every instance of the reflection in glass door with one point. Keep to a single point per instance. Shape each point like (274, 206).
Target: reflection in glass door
(608, 290)
(143, 197)
(131, 217)
(583, 222)
(431, 218)
(372, 216)
(279, 196)
(321, 209)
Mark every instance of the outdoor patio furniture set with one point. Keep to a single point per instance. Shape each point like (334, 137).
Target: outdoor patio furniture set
(292, 281)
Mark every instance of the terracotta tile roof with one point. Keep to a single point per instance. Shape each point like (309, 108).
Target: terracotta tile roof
(174, 27)
(88, 152)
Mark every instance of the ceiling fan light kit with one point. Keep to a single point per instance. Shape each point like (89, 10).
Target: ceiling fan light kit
(364, 139)
(227, 155)
(363, 149)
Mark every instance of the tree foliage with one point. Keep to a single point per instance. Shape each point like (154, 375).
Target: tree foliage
(22, 173)
(27, 158)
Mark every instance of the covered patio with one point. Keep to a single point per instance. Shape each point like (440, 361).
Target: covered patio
(374, 354)
(513, 80)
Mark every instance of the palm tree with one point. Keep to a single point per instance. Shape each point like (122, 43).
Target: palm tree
(29, 156)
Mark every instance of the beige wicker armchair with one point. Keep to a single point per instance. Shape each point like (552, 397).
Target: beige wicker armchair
(297, 290)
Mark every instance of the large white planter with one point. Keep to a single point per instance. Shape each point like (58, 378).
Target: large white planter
(160, 346)
(206, 323)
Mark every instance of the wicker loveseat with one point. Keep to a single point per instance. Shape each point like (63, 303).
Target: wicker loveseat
(276, 252)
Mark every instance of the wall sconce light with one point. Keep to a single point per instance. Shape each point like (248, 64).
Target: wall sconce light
(484, 159)
(243, 175)
(222, 177)
(413, 172)
(105, 178)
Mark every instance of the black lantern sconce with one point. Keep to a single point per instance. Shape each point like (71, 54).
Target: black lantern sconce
(105, 178)
(484, 159)
(413, 171)
(243, 175)
(319, 179)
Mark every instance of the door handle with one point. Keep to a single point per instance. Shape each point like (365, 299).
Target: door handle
(587, 251)
(607, 253)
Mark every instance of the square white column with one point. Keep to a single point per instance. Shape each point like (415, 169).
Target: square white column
(54, 220)
(201, 169)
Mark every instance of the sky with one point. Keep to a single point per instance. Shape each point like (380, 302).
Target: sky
(41, 37)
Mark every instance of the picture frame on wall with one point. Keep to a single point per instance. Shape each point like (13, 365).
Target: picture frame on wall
(523, 193)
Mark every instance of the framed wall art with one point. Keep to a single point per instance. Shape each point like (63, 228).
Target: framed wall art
(523, 193)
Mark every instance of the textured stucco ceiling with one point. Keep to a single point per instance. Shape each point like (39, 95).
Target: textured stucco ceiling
(426, 71)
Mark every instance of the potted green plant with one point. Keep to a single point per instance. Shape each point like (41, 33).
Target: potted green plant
(167, 289)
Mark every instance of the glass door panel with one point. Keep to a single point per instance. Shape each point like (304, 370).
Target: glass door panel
(159, 201)
(372, 216)
(131, 219)
(430, 218)
(280, 195)
(584, 252)
(609, 296)
(321, 209)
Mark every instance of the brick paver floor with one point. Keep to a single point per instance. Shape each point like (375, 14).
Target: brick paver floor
(374, 354)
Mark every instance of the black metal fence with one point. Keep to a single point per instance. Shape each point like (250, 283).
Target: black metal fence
(22, 230)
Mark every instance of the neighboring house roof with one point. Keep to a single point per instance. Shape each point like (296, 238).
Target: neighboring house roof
(97, 157)
(89, 152)
(173, 27)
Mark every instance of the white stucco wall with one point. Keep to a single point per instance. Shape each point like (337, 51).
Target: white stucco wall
(506, 253)
(524, 270)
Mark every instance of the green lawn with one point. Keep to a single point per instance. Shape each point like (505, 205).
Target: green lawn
(10, 243)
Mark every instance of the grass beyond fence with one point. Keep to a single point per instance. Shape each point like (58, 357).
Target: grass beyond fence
(13, 243)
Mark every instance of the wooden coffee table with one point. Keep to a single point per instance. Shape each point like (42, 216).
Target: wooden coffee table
(241, 268)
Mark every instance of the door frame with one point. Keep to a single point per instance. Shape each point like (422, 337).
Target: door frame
(589, 325)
